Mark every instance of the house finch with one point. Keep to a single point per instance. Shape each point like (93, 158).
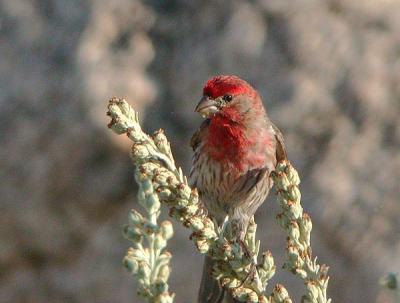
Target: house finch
(235, 150)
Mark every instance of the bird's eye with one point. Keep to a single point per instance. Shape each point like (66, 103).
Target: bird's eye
(227, 98)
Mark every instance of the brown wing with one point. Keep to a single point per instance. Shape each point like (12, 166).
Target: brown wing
(280, 144)
(194, 142)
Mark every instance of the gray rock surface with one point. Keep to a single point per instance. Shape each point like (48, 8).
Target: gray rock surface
(327, 70)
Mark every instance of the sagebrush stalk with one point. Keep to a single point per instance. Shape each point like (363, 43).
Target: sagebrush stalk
(161, 181)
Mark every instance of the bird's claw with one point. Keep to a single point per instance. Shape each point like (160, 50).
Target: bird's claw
(246, 251)
(253, 267)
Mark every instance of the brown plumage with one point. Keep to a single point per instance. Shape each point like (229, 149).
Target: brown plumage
(235, 150)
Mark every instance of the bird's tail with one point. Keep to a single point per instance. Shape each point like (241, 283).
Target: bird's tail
(210, 289)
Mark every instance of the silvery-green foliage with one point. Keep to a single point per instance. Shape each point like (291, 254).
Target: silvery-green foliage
(246, 279)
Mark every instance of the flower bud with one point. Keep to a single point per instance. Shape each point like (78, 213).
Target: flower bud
(150, 167)
(160, 178)
(306, 227)
(280, 293)
(202, 246)
(152, 203)
(159, 242)
(139, 151)
(283, 182)
(293, 231)
(161, 142)
(293, 176)
(184, 191)
(281, 166)
(165, 194)
(245, 294)
(138, 254)
(144, 270)
(150, 228)
(132, 234)
(196, 224)
(301, 272)
(294, 211)
(167, 230)
(312, 291)
(191, 210)
(164, 272)
(181, 202)
(267, 262)
(147, 187)
(294, 194)
(126, 110)
(131, 264)
(135, 218)
(293, 254)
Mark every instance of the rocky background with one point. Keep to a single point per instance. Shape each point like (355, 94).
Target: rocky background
(329, 72)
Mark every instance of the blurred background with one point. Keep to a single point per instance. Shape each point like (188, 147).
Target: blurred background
(328, 71)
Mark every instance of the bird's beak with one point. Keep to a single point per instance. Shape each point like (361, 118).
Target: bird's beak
(207, 107)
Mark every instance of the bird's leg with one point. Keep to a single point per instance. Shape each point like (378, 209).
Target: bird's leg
(248, 255)
(234, 228)
(248, 243)
(246, 251)
(238, 229)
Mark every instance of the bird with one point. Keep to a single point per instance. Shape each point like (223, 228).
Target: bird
(235, 150)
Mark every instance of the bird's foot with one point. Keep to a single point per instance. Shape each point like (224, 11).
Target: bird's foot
(246, 251)
(251, 275)
(253, 266)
